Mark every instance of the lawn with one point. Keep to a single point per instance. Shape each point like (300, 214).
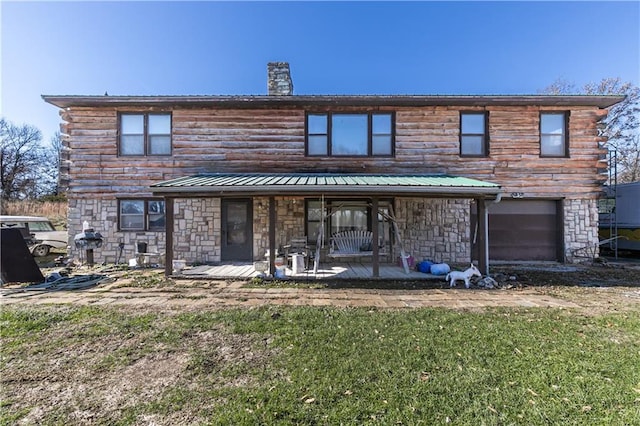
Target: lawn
(306, 365)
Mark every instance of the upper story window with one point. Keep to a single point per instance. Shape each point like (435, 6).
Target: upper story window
(474, 138)
(350, 134)
(141, 215)
(553, 134)
(145, 134)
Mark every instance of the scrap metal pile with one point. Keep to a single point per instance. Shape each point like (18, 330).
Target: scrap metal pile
(56, 282)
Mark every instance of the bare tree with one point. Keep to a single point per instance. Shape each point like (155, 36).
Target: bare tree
(25, 164)
(622, 124)
(55, 158)
(629, 161)
(561, 86)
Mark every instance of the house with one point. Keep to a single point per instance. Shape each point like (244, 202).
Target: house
(212, 179)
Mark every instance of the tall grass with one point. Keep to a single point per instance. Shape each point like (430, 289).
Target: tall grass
(54, 210)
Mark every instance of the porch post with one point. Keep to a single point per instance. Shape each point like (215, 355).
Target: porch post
(272, 235)
(168, 242)
(375, 240)
(483, 236)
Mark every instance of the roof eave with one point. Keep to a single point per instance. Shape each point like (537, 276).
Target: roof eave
(248, 101)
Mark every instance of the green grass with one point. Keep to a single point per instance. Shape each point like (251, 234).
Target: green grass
(285, 365)
(257, 282)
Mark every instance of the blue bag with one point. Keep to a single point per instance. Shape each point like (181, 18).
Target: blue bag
(424, 266)
(440, 269)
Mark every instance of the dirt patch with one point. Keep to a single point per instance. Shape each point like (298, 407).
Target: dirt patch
(598, 275)
(600, 287)
(90, 379)
(596, 288)
(597, 300)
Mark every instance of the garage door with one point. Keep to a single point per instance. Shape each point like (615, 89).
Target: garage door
(525, 230)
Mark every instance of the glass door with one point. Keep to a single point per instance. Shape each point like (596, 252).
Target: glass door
(237, 235)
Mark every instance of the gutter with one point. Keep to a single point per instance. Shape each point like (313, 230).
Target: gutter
(252, 101)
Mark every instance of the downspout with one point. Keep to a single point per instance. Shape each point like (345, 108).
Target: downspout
(496, 201)
(486, 231)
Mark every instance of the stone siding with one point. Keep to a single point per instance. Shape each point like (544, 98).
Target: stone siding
(102, 215)
(435, 229)
(197, 232)
(580, 228)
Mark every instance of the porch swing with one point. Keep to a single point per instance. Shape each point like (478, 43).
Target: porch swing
(351, 242)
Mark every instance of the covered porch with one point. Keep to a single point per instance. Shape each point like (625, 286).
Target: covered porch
(342, 270)
(375, 190)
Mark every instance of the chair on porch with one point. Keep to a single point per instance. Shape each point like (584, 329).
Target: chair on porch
(297, 246)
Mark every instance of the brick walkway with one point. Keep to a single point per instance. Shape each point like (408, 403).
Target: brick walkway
(222, 294)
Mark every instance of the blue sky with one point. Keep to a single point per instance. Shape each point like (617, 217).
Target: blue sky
(156, 48)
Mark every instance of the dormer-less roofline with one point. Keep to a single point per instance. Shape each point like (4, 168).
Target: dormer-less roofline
(259, 101)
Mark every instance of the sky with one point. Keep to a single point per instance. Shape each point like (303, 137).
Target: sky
(222, 48)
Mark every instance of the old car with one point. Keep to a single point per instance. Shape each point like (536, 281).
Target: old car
(44, 235)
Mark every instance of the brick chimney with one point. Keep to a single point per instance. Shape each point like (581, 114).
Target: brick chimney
(279, 79)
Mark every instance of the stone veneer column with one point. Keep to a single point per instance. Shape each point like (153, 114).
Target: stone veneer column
(580, 227)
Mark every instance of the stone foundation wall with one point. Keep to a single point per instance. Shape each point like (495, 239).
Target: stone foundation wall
(197, 232)
(102, 215)
(435, 229)
(580, 228)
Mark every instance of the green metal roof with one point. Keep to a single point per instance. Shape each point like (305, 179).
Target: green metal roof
(322, 183)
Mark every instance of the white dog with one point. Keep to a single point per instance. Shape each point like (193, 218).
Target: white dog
(454, 276)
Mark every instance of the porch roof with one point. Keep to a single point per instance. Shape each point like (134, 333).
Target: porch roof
(221, 184)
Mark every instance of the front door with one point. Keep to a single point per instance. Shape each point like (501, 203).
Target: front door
(237, 236)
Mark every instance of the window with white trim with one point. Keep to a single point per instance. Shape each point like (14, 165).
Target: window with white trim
(553, 134)
(145, 134)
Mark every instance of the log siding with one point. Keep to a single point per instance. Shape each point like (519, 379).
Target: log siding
(427, 140)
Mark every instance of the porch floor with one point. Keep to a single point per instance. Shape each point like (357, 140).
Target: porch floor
(350, 270)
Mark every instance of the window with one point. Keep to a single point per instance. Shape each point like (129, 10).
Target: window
(474, 138)
(381, 135)
(40, 226)
(553, 135)
(315, 216)
(317, 134)
(349, 216)
(350, 135)
(141, 215)
(345, 215)
(145, 134)
(33, 226)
